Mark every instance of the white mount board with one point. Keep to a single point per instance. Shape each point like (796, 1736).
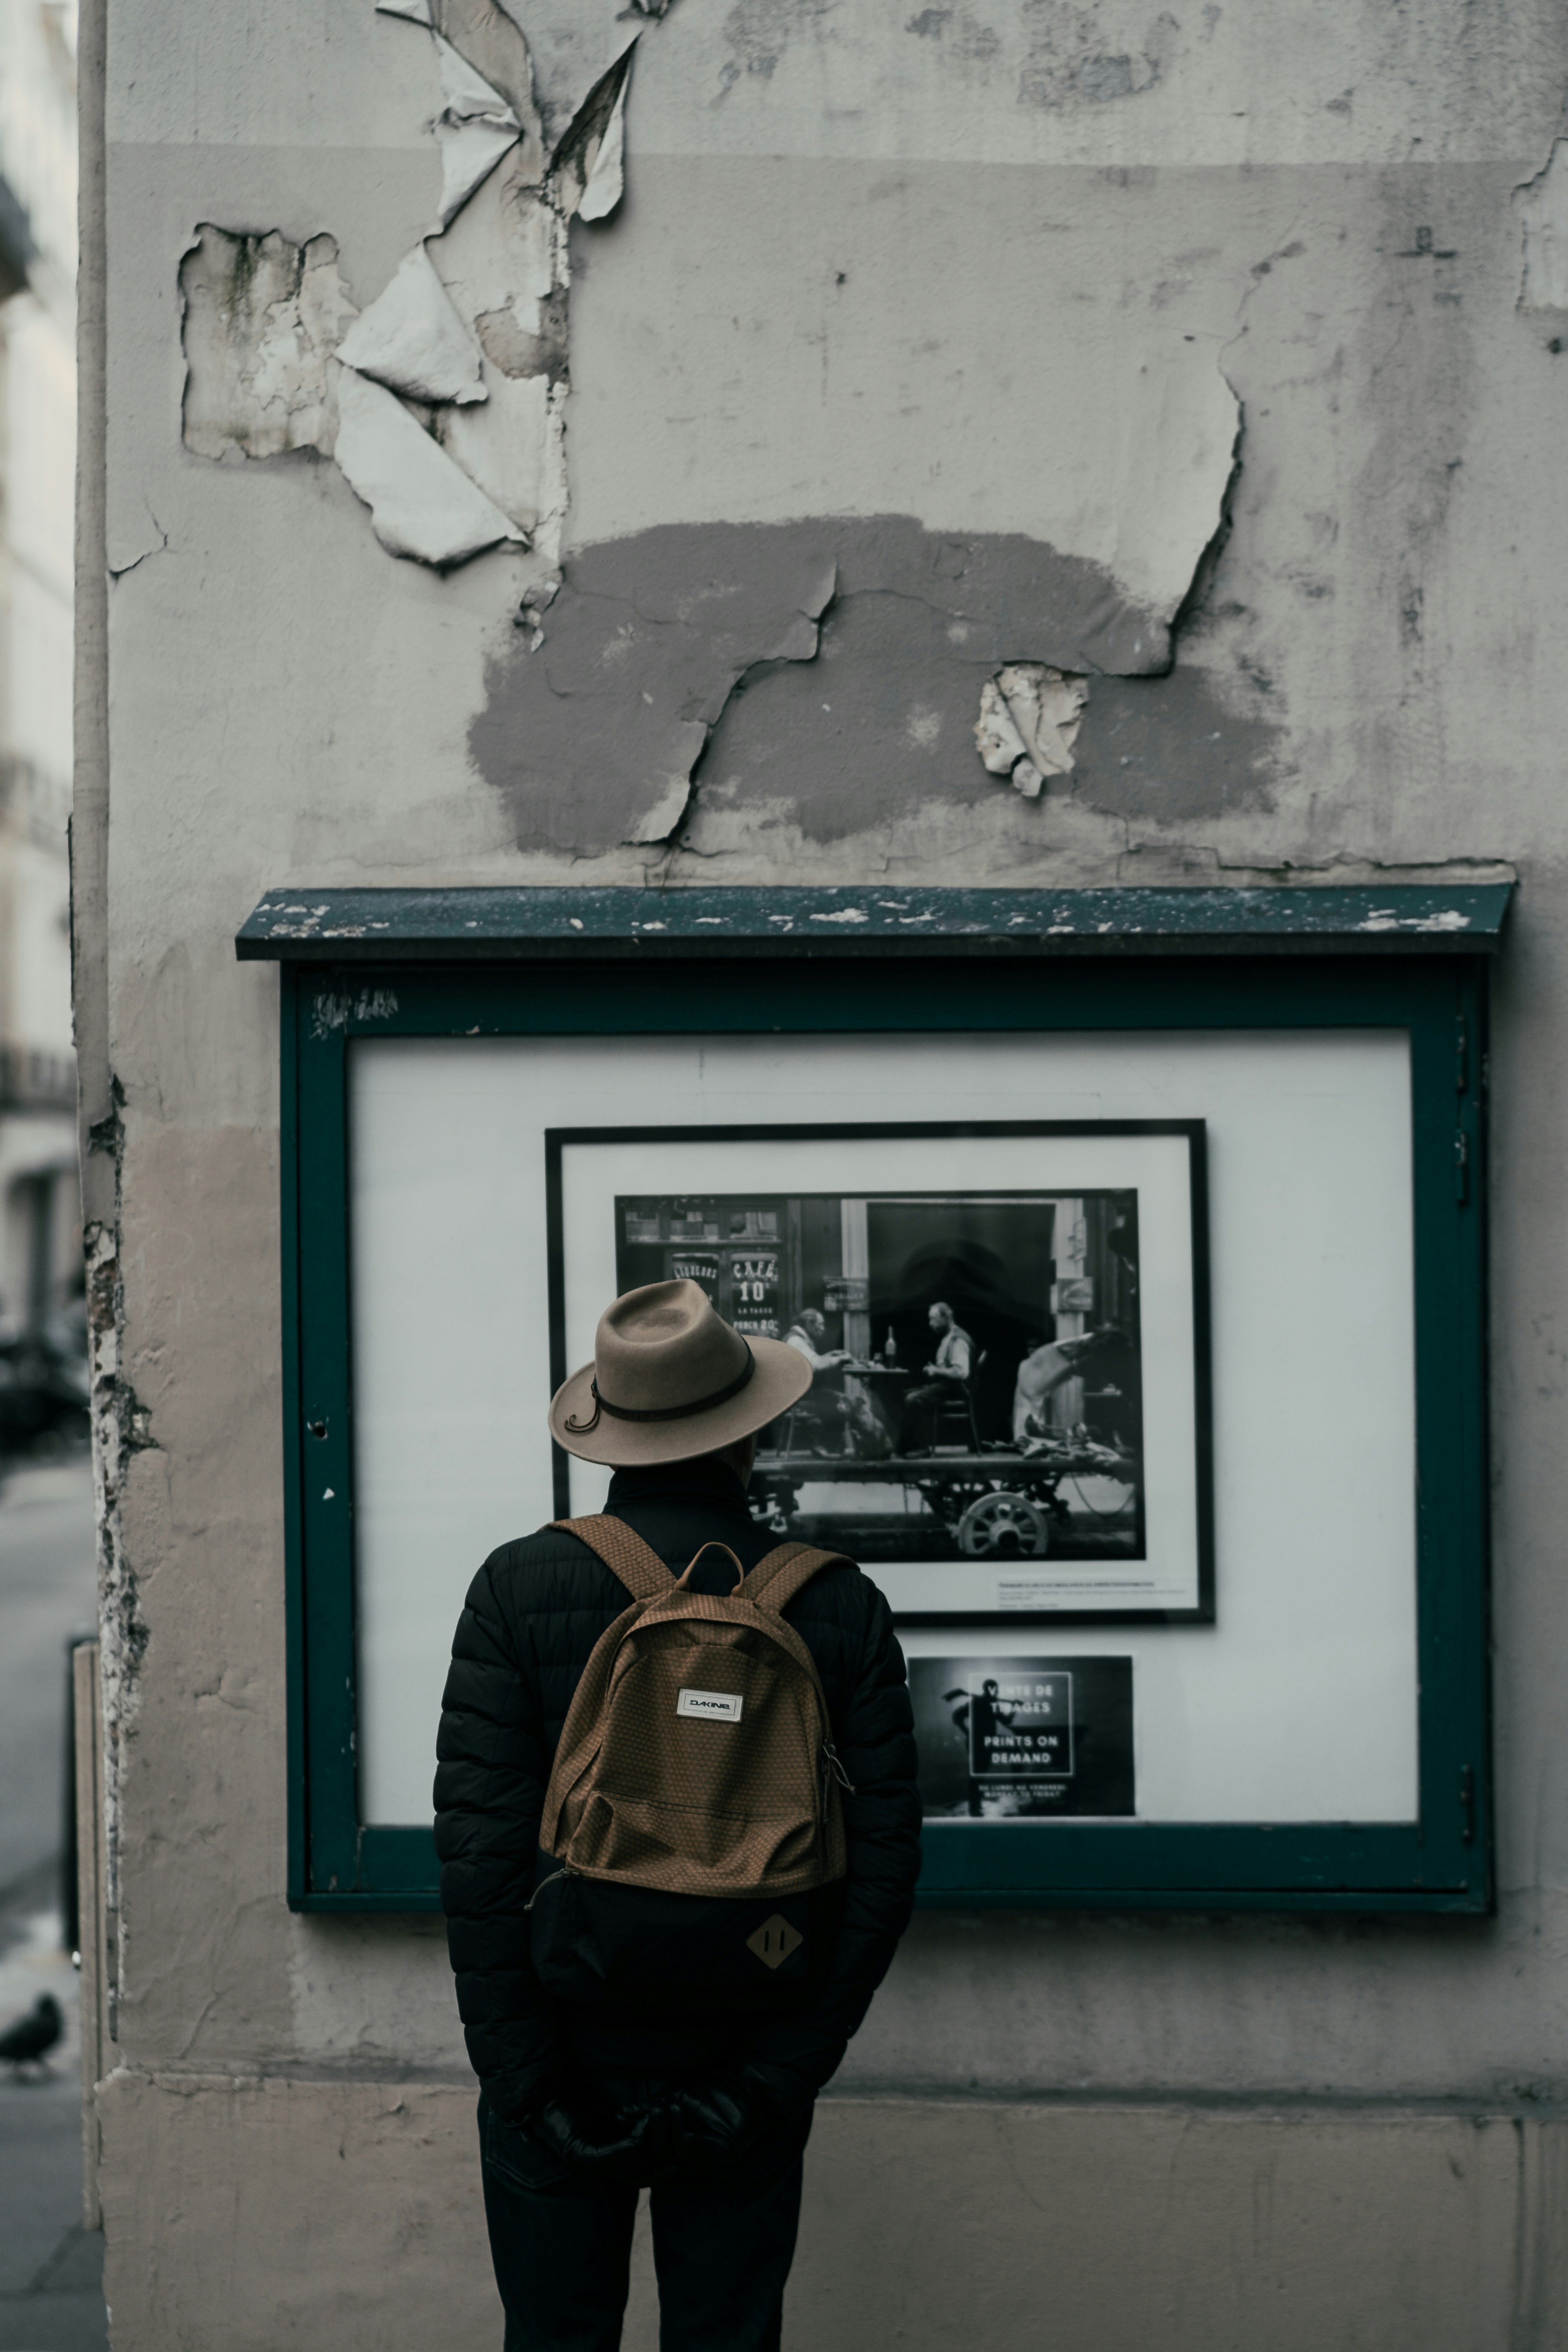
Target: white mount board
(1299, 1704)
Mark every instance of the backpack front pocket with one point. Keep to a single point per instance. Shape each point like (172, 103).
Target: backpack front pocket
(595, 1943)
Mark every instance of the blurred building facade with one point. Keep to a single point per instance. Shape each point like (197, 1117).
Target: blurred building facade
(40, 1255)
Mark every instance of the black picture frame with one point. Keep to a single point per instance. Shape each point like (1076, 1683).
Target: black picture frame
(967, 1475)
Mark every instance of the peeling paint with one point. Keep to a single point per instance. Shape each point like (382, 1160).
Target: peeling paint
(261, 318)
(421, 503)
(122, 1428)
(607, 171)
(412, 339)
(837, 663)
(1388, 918)
(474, 129)
(333, 1009)
(519, 351)
(588, 169)
(493, 50)
(1543, 219)
(506, 253)
(645, 641)
(472, 327)
(505, 267)
(1029, 723)
(513, 450)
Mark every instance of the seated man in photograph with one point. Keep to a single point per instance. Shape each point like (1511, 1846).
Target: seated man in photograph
(808, 1335)
(818, 1422)
(947, 1375)
(836, 1407)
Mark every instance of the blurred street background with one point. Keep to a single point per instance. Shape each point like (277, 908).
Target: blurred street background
(49, 2266)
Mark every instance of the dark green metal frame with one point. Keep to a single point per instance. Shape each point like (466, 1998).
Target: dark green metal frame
(1442, 1862)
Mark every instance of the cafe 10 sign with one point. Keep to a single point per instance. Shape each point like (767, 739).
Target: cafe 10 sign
(743, 1285)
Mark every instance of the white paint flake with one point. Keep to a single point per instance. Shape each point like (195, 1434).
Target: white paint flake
(1029, 723)
(412, 339)
(587, 176)
(474, 128)
(606, 168)
(1386, 918)
(421, 504)
(513, 448)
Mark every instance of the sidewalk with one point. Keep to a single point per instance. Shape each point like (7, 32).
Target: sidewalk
(50, 2267)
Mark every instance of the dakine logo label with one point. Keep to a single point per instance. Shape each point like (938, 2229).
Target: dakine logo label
(718, 1707)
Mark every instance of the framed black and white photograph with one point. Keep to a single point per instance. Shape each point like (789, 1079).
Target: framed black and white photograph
(1007, 1327)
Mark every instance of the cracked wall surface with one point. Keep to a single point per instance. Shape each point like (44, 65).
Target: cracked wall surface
(1543, 220)
(1213, 360)
(830, 669)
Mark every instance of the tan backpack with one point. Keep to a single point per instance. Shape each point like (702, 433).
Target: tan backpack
(697, 1758)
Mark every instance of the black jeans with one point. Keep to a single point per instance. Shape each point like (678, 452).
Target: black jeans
(723, 2244)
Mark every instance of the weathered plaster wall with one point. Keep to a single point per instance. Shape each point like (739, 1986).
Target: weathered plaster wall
(1406, 2229)
(918, 345)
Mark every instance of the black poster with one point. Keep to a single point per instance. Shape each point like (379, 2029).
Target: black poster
(1022, 1739)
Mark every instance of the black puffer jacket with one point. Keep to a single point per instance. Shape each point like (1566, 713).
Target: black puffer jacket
(533, 1613)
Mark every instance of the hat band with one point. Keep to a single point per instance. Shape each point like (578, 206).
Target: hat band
(661, 1412)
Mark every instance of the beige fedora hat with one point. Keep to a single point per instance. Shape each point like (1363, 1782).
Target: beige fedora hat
(671, 1378)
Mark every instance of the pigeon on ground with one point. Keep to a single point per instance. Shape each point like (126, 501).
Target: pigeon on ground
(26, 2043)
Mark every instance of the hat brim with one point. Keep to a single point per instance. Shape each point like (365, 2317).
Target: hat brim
(781, 1379)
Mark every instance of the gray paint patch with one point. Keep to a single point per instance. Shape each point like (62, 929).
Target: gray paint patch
(590, 736)
(884, 719)
(1165, 748)
(593, 736)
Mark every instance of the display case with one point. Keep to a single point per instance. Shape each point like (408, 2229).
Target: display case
(1138, 1238)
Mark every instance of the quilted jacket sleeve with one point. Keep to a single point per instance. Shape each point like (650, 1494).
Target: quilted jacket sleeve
(492, 1765)
(875, 1743)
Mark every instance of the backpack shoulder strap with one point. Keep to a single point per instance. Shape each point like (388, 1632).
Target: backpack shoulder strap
(786, 1570)
(624, 1553)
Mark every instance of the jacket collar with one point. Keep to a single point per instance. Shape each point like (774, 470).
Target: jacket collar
(704, 1480)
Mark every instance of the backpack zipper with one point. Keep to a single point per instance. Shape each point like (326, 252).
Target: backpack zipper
(837, 1768)
(565, 1871)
